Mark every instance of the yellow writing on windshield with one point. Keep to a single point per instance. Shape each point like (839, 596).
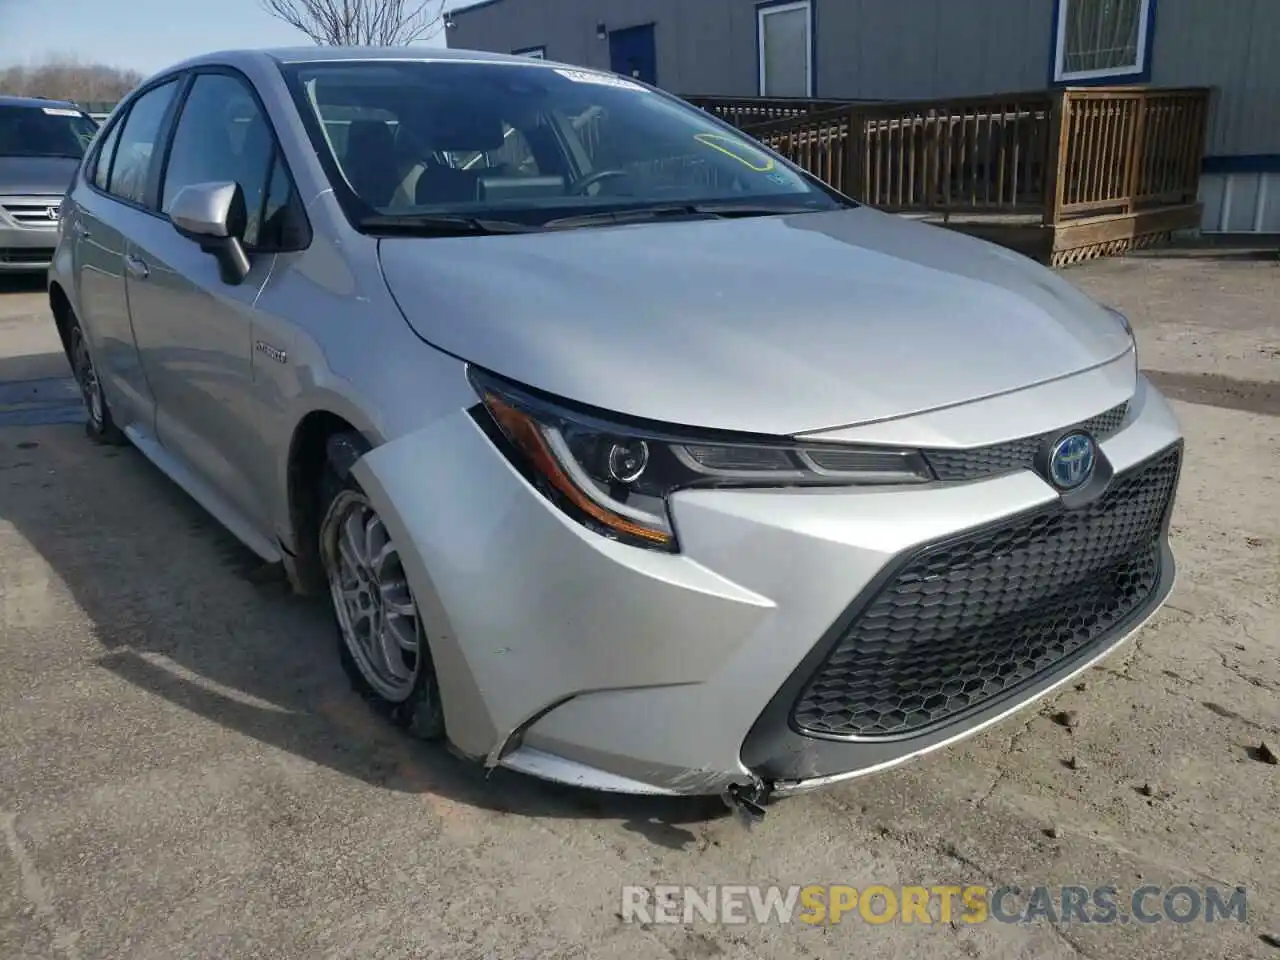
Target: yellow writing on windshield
(745, 154)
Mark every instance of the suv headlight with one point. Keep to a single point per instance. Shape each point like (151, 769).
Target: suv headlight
(616, 476)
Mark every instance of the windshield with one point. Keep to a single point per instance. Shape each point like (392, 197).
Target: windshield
(44, 132)
(529, 143)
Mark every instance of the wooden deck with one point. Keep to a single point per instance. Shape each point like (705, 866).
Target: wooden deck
(1076, 240)
(1064, 175)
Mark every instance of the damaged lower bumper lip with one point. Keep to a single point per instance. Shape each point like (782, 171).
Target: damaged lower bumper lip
(748, 799)
(547, 766)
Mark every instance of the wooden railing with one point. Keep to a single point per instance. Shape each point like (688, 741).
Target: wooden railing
(968, 154)
(1122, 149)
(744, 111)
(1063, 154)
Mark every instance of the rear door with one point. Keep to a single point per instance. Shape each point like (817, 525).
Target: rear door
(195, 331)
(109, 204)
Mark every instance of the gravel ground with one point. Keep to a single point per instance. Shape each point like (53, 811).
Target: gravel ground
(184, 773)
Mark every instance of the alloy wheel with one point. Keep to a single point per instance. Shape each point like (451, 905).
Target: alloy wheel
(371, 597)
(87, 377)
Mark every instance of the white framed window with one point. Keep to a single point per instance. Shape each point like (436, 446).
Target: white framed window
(1098, 39)
(784, 41)
(538, 53)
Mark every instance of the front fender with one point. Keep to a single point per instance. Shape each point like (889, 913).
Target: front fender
(524, 607)
(388, 474)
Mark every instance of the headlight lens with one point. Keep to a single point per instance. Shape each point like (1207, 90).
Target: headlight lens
(615, 477)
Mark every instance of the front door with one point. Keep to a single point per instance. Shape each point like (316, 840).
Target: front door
(632, 53)
(194, 330)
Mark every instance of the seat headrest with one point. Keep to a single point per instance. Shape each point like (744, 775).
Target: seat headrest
(369, 135)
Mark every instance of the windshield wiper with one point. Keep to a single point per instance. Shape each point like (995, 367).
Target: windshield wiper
(711, 209)
(448, 225)
(441, 225)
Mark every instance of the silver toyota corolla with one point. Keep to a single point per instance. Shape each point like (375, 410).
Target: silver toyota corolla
(630, 455)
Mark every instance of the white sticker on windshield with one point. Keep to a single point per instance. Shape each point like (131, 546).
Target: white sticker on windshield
(60, 112)
(602, 79)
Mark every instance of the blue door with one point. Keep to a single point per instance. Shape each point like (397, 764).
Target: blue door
(632, 53)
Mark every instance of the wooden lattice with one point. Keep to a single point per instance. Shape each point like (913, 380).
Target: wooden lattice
(1108, 248)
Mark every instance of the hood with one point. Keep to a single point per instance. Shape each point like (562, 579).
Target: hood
(36, 176)
(776, 325)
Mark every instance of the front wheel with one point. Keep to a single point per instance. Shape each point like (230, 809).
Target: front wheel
(382, 642)
(100, 426)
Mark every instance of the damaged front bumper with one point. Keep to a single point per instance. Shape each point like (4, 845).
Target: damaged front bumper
(576, 659)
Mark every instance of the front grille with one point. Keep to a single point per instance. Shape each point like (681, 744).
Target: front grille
(977, 463)
(975, 618)
(33, 211)
(33, 255)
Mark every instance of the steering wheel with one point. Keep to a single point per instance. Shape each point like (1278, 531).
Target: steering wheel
(591, 179)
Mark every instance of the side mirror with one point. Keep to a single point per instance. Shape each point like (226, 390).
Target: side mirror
(213, 215)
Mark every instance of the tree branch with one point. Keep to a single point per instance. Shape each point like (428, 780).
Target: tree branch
(361, 23)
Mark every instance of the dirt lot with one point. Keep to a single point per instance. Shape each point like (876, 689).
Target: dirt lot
(183, 772)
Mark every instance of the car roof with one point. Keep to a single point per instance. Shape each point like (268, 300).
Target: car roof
(6, 101)
(318, 54)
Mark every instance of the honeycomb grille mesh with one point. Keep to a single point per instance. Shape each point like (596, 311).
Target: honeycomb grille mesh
(974, 618)
(978, 463)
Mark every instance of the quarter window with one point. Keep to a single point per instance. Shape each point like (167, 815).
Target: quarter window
(283, 222)
(1101, 38)
(222, 137)
(102, 164)
(131, 169)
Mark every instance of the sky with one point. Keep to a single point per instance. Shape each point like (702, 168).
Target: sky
(145, 35)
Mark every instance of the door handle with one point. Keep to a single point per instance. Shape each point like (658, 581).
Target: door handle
(137, 267)
(79, 230)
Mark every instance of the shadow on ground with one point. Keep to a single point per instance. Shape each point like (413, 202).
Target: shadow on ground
(184, 612)
(1210, 251)
(1214, 390)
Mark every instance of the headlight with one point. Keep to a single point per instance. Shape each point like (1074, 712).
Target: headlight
(615, 477)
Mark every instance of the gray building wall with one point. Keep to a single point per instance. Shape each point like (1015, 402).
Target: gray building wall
(914, 49)
(1233, 45)
(703, 46)
(902, 49)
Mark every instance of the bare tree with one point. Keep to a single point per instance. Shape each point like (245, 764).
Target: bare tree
(68, 78)
(361, 23)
